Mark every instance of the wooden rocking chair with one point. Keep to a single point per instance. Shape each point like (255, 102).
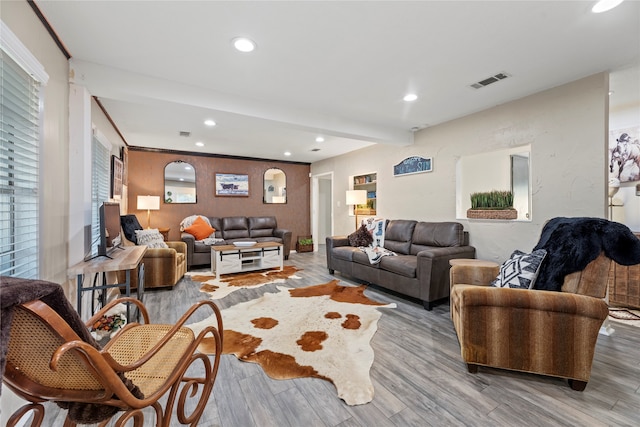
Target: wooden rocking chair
(47, 360)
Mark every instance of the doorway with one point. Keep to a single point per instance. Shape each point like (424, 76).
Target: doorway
(321, 208)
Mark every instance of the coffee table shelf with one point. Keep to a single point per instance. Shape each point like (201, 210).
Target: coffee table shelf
(227, 259)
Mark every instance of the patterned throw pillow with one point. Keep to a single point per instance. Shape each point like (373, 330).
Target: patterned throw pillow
(360, 237)
(200, 229)
(150, 237)
(188, 221)
(520, 270)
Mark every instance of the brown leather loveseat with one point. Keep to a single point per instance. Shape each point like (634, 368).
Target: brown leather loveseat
(421, 267)
(233, 229)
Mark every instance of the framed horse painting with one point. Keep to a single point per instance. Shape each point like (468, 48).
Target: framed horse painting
(624, 154)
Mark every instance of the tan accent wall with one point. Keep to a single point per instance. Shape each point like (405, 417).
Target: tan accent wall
(146, 177)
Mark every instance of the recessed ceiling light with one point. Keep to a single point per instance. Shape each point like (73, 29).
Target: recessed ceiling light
(287, 153)
(319, 139)
(200, 144)
(604, 5)
(209, 122)
(181, 179)
(410, 97)
(244, 44)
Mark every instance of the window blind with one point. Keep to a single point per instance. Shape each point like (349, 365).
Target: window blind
(19, 180)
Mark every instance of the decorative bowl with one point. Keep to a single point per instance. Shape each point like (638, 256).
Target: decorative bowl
(244, 244)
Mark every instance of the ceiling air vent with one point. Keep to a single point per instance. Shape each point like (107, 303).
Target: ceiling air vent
(315, 149)
(490, 80)
(185, 133)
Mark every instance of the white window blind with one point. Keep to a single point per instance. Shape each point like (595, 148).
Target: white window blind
(19, 181)
(99, 187)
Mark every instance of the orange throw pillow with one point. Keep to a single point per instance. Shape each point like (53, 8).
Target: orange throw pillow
(200, 229)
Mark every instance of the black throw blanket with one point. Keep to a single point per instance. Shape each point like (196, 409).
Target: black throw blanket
(572, 243)
(16, 291)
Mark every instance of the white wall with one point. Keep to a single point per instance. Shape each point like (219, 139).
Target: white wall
(566, 128)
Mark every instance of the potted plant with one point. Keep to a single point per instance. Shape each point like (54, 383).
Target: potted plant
(492, 205)
(304, 244)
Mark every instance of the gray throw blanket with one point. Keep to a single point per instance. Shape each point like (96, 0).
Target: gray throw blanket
(16, 291)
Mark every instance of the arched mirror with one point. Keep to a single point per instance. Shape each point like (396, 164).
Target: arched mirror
(179, 183)
(275, 186)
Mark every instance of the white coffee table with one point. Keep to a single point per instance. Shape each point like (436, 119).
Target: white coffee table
(227, 259)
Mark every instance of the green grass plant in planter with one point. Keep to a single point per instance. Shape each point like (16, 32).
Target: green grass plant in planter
(492, 205)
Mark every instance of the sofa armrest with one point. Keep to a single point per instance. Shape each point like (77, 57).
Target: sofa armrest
(160, 253)
(335, 241)
(433, 269)
(285, 235)
(190, 241)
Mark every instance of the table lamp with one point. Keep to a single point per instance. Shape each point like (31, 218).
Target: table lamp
(356, 197)
(150, 203)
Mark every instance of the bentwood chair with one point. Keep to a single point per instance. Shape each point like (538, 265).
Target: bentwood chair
(46, 360)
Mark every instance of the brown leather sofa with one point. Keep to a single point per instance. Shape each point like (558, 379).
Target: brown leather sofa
(233, 229)
(421, 267)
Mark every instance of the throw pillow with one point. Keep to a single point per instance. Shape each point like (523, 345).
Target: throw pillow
(520, 270)
(360, 237)
(200, 229)
(129, 225)
(188, 221)
(150, 237)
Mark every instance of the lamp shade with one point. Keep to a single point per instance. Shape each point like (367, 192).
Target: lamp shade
(151, 203)
(356, 197)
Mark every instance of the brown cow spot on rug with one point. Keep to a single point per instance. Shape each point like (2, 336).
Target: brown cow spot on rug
(321, 331)
(220, 287)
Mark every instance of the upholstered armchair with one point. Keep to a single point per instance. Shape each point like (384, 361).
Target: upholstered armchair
(543, 332)
(547, 316)
(163, 267)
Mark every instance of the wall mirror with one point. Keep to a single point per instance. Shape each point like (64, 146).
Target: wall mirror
(275, 186)
(179, 183)
(507, 169)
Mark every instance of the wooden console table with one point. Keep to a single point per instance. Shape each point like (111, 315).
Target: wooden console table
(126, 258)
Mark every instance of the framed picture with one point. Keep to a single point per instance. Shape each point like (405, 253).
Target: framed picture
(116, 177)
(411, 165)
(232, 184)
(624, 154)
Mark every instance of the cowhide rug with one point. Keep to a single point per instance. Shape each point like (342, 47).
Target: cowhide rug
(625, 315)
(220, 287)
(320, 331)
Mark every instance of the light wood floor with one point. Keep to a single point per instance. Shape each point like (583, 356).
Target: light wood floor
(418, 375)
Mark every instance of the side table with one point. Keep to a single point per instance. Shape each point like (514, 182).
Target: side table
(165, 232)
(125, 258)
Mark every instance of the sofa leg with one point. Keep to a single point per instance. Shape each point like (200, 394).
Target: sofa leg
(473, 369)
(428, 305)
(331, 271)
(286, 257)
(577, 385)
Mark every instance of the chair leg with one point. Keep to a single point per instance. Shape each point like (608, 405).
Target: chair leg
(473, 369)
(577, 385)
(38, 415)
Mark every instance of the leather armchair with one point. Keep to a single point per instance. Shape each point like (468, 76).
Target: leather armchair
(544, 332)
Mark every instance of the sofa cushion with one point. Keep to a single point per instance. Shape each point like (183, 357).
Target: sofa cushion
(362, 258)
(520, 270)
(217, 224)
(200, 229)
(235, 227)
(404, 265)
(344, 252)
(397, 235)
(262, 226)
(129, 225)
(188, 221)
(436, 234)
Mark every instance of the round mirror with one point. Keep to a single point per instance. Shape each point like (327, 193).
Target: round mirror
(179, 183)
(275, 186)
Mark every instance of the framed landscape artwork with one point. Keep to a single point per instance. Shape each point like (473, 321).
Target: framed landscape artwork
(232, 184)
(117, 170)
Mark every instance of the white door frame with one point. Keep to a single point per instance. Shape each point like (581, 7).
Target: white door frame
(315, 191)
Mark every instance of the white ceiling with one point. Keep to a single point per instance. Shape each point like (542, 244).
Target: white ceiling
(331, 68)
